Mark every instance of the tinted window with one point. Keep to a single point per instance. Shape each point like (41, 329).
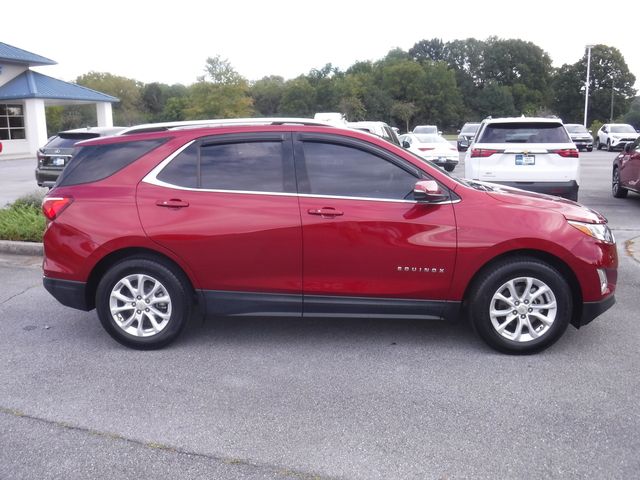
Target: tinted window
(522, 132)
(183, 169)
(429, 138)
(350, 172)
(96, 162)
(251, 166)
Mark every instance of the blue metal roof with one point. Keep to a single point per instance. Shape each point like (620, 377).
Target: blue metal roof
(13, 54)
(32, 84)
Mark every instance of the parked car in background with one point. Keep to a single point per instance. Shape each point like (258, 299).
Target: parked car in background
(380, 129)
(431, 147)
(626, 170)
(580, 136)
(342, 222)
(466, 135)
(614, 136)
(427, 129)
(534, 154)
(56, 153)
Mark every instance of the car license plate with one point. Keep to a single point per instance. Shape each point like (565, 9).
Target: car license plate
(57, 162)
(522, 159)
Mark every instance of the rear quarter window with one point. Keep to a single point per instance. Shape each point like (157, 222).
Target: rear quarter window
(97, 162)
(522, 132)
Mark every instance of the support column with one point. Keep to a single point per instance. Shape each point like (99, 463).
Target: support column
(104, 114)
(35, 123)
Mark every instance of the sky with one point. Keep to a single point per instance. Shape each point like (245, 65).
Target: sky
(169, 42)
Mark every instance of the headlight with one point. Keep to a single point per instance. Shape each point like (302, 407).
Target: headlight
(599, 231)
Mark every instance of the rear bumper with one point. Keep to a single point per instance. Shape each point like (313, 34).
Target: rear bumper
(47, 175)
(560, 189)
(68, 293)
(591, 310)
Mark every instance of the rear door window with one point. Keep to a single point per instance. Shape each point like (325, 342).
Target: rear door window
(250, 164)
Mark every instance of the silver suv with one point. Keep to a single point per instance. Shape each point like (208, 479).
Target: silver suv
(534, 154)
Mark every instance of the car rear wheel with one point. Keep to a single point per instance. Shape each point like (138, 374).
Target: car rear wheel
(617, 190)
(143, 303)
(520, 306)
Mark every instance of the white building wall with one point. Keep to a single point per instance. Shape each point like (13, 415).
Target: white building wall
(10, 71)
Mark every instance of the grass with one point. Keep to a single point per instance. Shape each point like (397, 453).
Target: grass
(23, 219)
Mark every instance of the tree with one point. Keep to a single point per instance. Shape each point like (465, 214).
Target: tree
(222, 93)
(298, 98)
(267, 95)
(428, 50)
(610, 84)
(129, 110)
(404, 111)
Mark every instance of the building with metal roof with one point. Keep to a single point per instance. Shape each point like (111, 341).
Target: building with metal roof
(24, 95)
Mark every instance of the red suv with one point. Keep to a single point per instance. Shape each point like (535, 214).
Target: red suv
(291, 218)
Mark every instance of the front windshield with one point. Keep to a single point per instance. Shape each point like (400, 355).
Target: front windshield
(576, 129)
(622, 129)
(470, 128)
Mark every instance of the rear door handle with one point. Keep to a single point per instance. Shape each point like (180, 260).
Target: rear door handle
(327, 212)
(172, 203)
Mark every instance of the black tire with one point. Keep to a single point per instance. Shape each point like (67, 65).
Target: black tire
(617, 190)
(173, 314)
(589, 149)
(609, 148)
(490, 283)
(598, 144)
(449, 168)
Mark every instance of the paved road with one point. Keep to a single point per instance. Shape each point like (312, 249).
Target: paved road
(17, 178)
(302, 399)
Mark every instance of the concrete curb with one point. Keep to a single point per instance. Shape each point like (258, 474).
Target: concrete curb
(21, 248)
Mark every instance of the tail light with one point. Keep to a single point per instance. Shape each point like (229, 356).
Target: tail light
(484, 152)
(566, 152)
(0, 146)
(52, 207)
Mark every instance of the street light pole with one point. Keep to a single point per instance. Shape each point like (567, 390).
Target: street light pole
(586, 85)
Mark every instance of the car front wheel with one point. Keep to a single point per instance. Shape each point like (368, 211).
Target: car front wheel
(609, 147)
(520, 306)
(598, 144)
(449, 168)
(617, 190)
(143, 303)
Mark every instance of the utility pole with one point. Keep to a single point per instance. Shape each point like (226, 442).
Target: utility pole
(586, 85)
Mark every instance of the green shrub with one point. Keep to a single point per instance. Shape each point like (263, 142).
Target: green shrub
(23, 220)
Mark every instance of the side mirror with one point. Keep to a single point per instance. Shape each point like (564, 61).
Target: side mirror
(439, 132)
(428, 191)
(405, 144)
(458, 130)
(627, 147)
(590, 132)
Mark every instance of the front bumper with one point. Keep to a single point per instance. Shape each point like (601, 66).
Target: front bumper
(69, 293)
(591, 310)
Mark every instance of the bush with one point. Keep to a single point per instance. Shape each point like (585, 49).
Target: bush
(23, 220)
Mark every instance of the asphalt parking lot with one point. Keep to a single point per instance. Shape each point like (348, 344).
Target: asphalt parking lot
(320, 399)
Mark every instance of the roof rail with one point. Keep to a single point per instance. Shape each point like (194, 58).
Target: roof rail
(222, 122)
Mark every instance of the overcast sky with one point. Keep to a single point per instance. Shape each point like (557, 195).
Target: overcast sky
(169, 42)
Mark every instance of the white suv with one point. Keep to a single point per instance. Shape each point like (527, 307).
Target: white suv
(615, 135)
(534, 154)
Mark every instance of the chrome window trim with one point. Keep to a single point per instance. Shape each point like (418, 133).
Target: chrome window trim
(151, 179)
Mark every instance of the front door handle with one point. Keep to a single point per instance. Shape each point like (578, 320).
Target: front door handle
(172, 203)
(326, 212)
